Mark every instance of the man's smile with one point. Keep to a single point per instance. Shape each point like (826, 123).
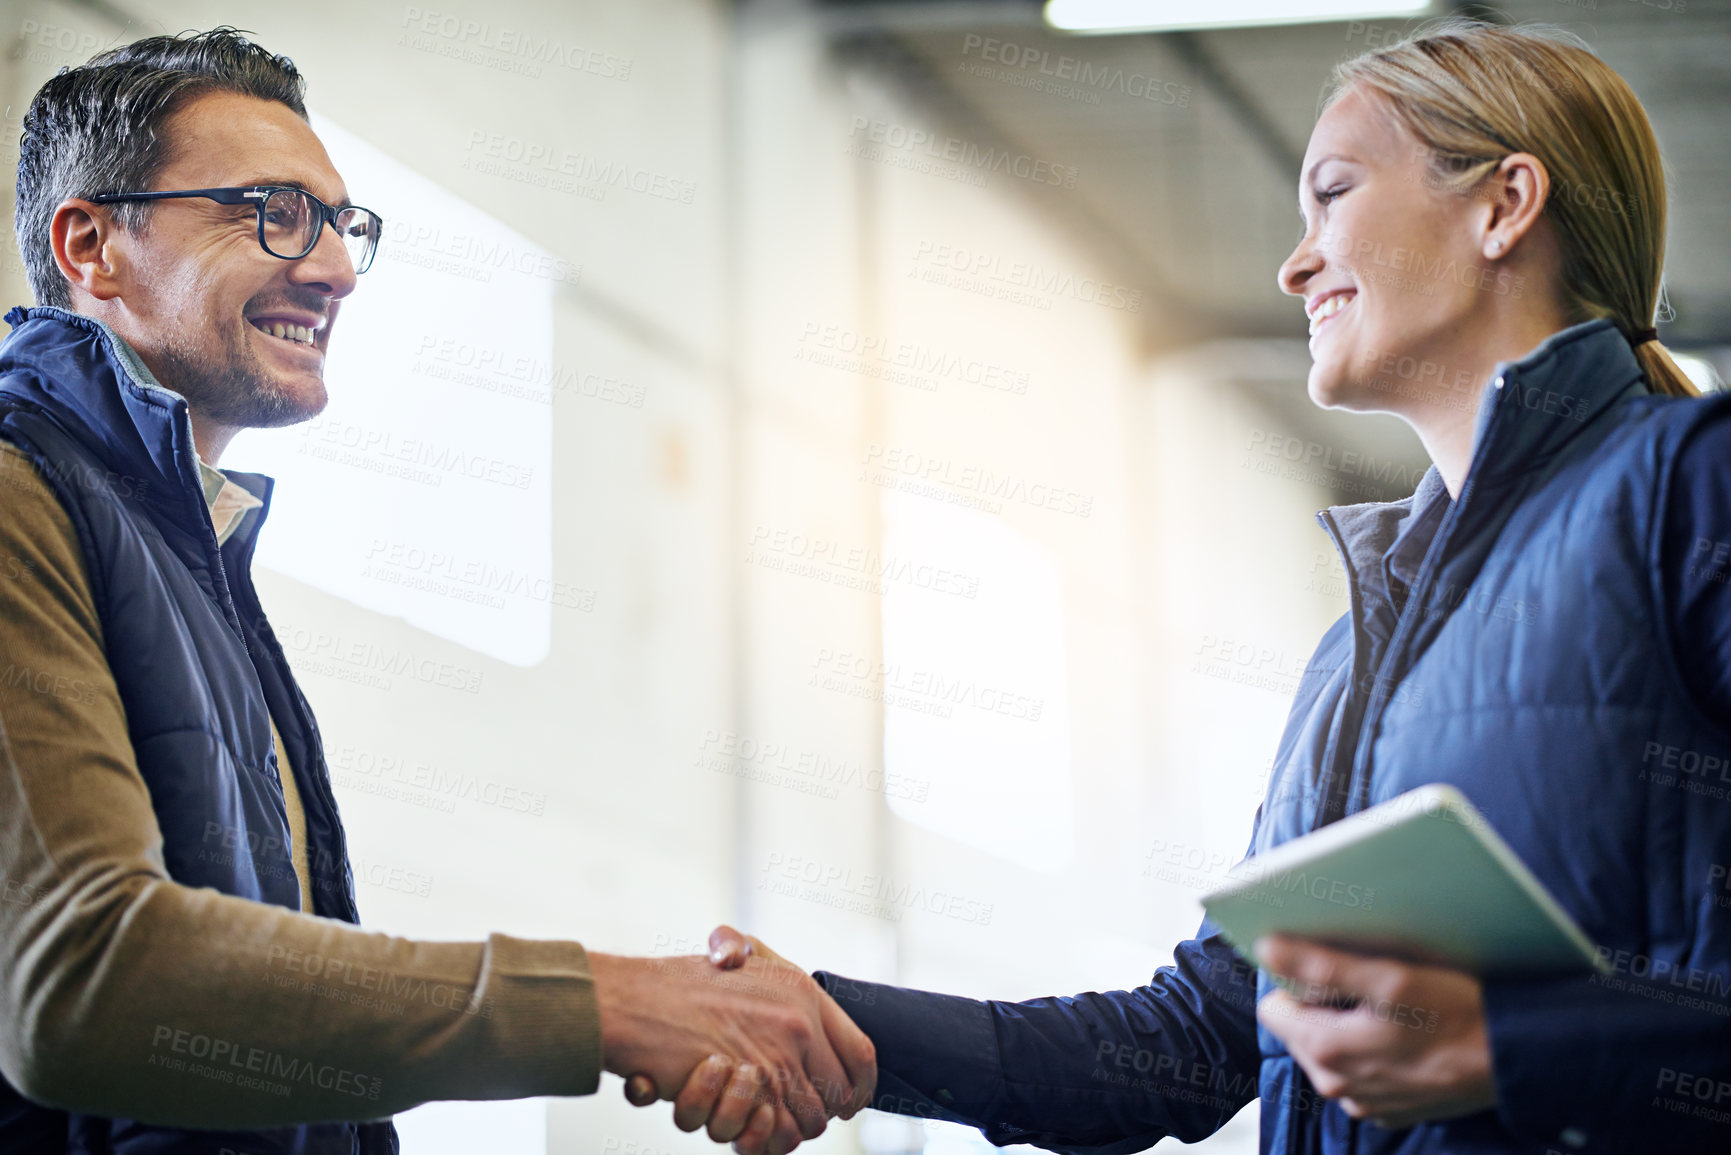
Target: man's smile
(293, 330)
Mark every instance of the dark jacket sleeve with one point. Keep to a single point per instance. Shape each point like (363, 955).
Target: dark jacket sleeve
(1095, 1073)
(1695, 565)
(1640, 1060)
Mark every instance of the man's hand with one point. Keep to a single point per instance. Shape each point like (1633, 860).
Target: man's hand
(1396, 1043)
(769, 1030)
(731, 1096)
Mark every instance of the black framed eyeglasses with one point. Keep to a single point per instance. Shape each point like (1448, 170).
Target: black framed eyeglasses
(290, 220)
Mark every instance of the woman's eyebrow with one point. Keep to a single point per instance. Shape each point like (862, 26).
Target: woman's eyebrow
(1321, 160)
(1306, 184)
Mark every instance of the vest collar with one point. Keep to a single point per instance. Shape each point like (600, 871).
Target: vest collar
(1528, 411)
(86, 377)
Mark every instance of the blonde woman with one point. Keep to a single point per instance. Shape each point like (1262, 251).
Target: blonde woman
(1544, 624)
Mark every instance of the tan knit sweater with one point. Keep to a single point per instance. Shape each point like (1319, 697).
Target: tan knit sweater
(124, 993)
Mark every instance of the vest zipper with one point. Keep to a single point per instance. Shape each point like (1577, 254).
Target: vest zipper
(1409, 620)
(315, 745)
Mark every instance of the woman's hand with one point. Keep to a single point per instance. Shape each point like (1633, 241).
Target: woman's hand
(1396, 1043)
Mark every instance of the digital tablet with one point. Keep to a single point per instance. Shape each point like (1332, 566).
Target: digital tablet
(1421, 877)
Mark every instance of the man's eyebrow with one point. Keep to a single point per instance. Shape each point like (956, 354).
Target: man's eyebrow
(293, 182)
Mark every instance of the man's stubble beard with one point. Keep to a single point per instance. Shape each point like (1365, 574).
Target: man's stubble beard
(239, 392)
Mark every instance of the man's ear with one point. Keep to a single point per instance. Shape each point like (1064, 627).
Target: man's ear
(82, 237)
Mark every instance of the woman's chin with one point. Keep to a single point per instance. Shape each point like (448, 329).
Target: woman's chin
(1327, 386)
(1332, 385)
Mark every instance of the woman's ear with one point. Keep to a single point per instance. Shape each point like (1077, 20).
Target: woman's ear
(83, 239)
(1515, 195)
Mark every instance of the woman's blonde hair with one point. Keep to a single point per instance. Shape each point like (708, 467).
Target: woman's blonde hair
(1471, 93)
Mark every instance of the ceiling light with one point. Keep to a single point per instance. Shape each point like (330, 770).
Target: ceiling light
(1105, 16)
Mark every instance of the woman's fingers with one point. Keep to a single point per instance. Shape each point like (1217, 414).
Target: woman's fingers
(754, 1140)
(744, 1093)
(697, 1100)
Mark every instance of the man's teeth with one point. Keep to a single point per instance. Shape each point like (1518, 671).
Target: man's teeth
(1329, 308)
(298, 333)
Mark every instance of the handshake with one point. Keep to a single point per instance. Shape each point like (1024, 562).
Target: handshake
(743, 1041)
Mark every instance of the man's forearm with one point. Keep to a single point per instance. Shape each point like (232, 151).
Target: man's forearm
(123, 993)
(200, 1009)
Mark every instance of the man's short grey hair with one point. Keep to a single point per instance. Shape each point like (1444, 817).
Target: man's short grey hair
(98, 128)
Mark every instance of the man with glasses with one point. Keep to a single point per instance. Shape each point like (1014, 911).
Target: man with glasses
(179, 969)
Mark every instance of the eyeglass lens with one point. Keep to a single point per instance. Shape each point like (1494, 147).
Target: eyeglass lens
(292, 223)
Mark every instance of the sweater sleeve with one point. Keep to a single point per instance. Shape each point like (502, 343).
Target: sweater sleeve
(124, 993)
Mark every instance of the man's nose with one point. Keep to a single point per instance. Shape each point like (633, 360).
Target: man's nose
(328, 268)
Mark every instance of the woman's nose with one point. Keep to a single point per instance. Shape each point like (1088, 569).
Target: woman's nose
(1296, 271)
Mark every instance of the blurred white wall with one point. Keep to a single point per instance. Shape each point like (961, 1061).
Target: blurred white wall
(848, 441)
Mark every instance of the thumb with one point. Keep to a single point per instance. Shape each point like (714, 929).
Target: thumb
(641, 1091)
(728, 948)
(1316, 973)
